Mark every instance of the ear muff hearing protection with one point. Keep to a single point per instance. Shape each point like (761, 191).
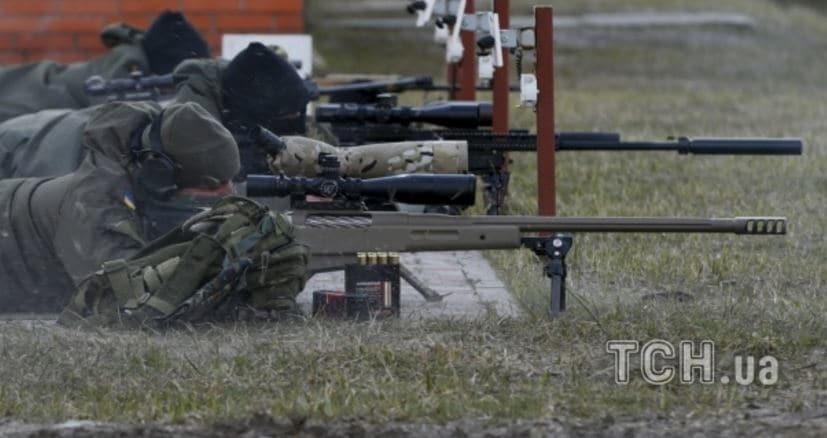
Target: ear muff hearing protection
(156, 171)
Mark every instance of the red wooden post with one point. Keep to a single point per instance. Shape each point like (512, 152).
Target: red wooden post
(500, 81)
(544, 34)
(465, 72)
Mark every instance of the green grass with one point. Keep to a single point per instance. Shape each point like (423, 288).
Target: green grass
(492, 370)
(756, 295)
(751, 295)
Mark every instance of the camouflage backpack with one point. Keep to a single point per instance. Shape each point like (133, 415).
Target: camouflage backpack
(237, 257)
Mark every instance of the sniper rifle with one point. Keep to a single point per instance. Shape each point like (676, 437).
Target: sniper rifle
(139, 86)
(353, 124)
(336, 230)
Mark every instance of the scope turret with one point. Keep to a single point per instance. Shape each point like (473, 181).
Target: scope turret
(440, 189)
(452, 114)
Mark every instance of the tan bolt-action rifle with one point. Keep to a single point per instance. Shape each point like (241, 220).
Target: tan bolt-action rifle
(336, 231)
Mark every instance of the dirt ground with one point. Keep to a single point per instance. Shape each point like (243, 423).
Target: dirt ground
(754, 423)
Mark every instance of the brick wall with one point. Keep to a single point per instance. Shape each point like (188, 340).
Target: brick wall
(67, 30)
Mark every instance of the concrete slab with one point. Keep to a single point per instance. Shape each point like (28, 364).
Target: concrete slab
(469, 283)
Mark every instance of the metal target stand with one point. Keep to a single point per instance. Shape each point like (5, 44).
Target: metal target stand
(462, 77)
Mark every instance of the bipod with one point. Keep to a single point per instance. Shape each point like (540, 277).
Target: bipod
(555, 248)
(428, 293)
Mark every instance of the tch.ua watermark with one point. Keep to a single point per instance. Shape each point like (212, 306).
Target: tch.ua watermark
(661, 363)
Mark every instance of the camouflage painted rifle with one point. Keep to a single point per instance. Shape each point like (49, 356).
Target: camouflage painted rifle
(337, 229)
(352, 124)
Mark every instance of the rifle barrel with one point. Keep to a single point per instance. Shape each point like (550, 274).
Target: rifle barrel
(738, 225)
(448, 87)
(610, 141)
(530, 224)
(408, 83)
(423, 83)
(335, 237)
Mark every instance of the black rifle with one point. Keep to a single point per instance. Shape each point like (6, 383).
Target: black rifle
(364, 124)
(135, 87)
(158, 87)
(365, 91)
(452, 114)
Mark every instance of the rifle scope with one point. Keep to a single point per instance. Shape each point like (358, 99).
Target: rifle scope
(456, 114)
(98, 86)
(439, 189)
(378, 87)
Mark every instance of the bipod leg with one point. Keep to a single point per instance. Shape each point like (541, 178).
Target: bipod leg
(555, 248)
(560, 245)
(429, 294)
(495, 189)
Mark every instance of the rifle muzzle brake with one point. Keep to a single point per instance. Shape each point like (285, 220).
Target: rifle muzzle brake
(761, 225)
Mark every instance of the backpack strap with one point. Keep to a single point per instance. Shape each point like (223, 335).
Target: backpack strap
(127, 292)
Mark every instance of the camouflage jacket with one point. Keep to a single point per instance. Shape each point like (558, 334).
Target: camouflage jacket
(28, 88)
(51, 142)
(56, 231)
